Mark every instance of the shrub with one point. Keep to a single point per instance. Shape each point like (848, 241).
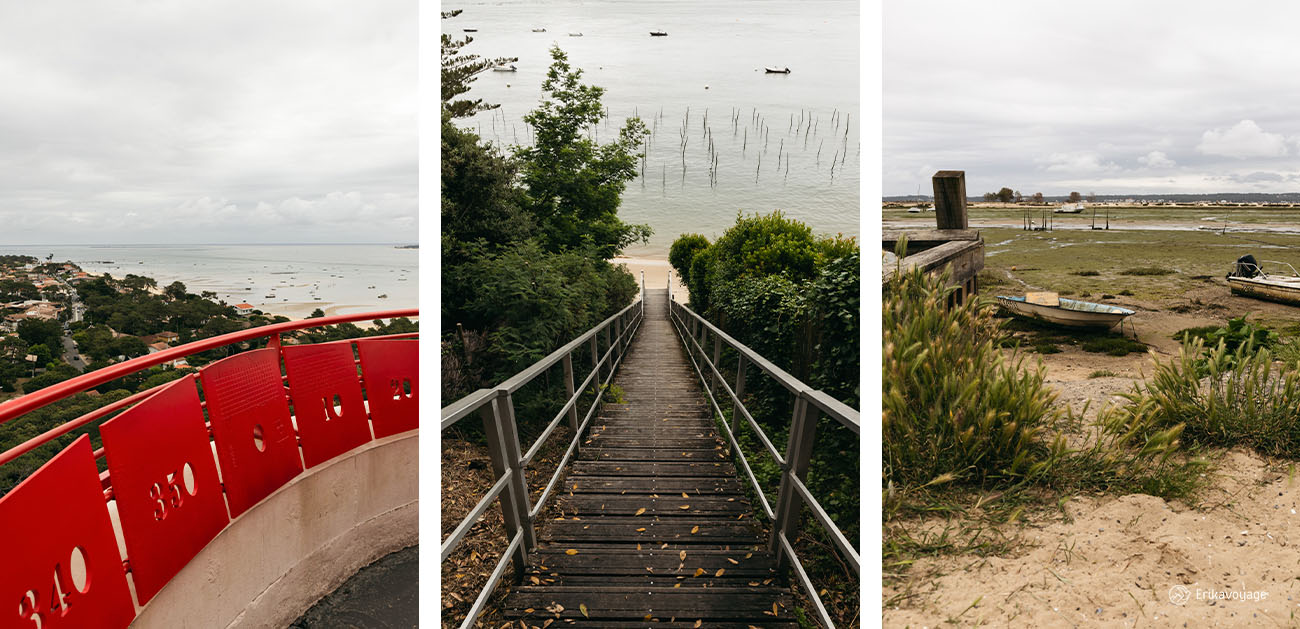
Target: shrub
(955, 408)
(1086, 273)
(1113, 346)
(683, 252)
(1146, 270)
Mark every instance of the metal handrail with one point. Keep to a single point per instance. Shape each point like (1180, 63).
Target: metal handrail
(496, 408)
(809, 403)
(27, 403)
(15, 408)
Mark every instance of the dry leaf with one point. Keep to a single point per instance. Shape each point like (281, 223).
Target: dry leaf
(774, 609)
(583, 608)
(638, 547)
(639, 511)
(695, 529)
(688, 507)
(571, 551)
(641, 530)
(682, 555)
(698, 623)
(719, 572)
(677, 585)
(699, 571)
(535, 580)
(733, 561)
(684, 495)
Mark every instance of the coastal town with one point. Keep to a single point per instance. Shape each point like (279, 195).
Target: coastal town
(57, 321)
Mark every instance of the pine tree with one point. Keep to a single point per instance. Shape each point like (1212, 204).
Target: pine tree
(458, 71)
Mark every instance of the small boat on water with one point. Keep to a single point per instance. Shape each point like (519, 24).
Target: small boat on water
(1050, 308)
(1070, 208)
(539, 30)
(776, 70)
(658, 33)
(1248, 279)
(505, 68)
(471, 30)
(575, 34)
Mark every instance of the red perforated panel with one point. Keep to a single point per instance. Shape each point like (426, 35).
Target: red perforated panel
(55, 522)
(392, 372)
(249, 412)
(166, 519)
(326, 394)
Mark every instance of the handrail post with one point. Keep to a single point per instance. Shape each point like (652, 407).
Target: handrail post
(740, 388)
(608, 345)
(510, 436)
(717, 355)
(798, 451)
(670, 288)
(595, 361)
(500, 465)
(569, 390)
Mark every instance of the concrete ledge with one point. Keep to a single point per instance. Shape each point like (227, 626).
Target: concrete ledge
(300, 543)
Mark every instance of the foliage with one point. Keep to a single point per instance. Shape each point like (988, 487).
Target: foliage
(683, 252)
(40, 332)
(480, 201)
(574, 184)
(956, 408)
(18, 290)
(41, 420)
(1112, 345)
(1226, 397)
(459, 70)
(530, 301)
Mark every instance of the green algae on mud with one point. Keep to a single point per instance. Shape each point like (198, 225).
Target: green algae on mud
(1097, 263)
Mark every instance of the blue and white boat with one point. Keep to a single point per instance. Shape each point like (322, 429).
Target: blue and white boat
(1049, 308)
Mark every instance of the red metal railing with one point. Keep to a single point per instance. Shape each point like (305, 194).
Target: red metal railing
(162, 461)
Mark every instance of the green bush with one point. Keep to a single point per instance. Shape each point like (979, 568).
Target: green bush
(1113, 345)
(683, 252)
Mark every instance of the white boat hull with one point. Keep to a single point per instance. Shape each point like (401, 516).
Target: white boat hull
(1284, 290)
(1066, 316)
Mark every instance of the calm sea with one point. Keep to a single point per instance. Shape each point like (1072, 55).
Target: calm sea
(284, 279)
(712, 60)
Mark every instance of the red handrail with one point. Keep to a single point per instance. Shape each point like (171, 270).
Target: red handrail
(32, 401)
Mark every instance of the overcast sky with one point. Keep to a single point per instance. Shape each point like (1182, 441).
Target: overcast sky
(197, 122)
(1112, 97)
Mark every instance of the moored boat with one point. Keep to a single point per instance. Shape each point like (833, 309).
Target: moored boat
(658, 33)
(1070, 208)
(776, 70)
(1050, 308)
(505, 68)
(575, 34)
(1248, 279)
(539, 30)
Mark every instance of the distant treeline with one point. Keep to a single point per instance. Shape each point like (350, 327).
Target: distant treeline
(1232, 197)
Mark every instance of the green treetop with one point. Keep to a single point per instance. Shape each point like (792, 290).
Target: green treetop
(458, 71)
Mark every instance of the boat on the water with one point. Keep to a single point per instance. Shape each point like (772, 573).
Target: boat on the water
(776, 70)
(1248, 278)
(575, 34)
(505, 68)
(1070, 208)
(1050, 308)
(658, 33)
(471, 30)
(539, 30)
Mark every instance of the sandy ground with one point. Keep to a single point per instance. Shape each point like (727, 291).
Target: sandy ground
(1129, 561)
(656, 274)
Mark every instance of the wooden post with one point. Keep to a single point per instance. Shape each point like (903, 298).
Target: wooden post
(717, 355)
(510, 436)
(494, 431)
(950, 199)
(798, 451)
(740, 389)
(569, 389)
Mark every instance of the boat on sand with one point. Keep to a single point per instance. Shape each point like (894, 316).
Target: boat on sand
(1248, 278)
(1050, 308)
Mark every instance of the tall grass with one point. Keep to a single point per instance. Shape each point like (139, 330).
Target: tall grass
(1225, 397)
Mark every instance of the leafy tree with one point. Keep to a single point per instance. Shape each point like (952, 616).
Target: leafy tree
(458, 71)
(480, 200)
(1075, 197)
(1019, 197)
(990, 196)
(573, 183)
(40, 332)
(18, 290)
(316, 314)
(683, 252)
(175, 290)
(1038, 197)
(1005, 195)
(42, 353)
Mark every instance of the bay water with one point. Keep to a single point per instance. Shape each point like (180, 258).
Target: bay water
(769, 142)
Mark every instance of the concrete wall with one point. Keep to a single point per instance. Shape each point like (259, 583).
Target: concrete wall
(300, 543)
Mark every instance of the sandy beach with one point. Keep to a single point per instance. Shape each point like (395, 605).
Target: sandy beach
(656, 274)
